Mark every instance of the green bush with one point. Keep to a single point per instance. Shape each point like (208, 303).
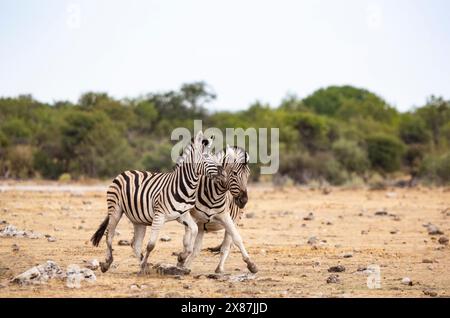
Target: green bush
(352, 157)
(159, 158)
(385, 152)
(413, 130)
(436, 169)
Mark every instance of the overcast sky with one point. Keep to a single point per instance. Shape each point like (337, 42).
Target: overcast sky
(246, 50)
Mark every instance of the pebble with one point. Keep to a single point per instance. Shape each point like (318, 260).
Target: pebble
(313, 240)
(348, 255)
(333, 279)
(427, 261)
(250, 215)
(381, 213)
(430, 293)
(124, 243)
(92, 264)
(170, 270)
(15, 248)
(407, 281)
(336, 269)
(443, 240)
(433, 229)
(51, 239)
(309, 217)
(165, 238)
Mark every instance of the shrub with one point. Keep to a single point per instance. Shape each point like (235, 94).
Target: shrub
(385, 152)
(352, 157)
(159, 158)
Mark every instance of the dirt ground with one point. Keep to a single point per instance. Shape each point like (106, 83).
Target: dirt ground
(274, 231)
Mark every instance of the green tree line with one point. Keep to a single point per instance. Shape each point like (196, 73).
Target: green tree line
(337, 134)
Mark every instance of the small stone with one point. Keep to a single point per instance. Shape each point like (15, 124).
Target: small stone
(15, 248)
(347, 255)
(165, 238)
(336, 269)
(333, 279)
(219, 277)
(433, 229)
(393, 232)
(51, 239)
(329, 223)
(92, 264)
(430, 293)
(381, 213)
(134, 287)
(187, 286)
(3, 222)
(124, 243)
(326, 190)
(427, 261)
(313, 240)
(407, 281)
(87, 202)
(309, 217)
(363, 232)
(443, 240)
(250, 215)
(170, 270)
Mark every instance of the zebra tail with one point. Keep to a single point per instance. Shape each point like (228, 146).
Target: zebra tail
(96, 238)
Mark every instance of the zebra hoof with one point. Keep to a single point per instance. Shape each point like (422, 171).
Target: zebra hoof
(219, 270)
(145, 270)
(252, 267)
(104, 267)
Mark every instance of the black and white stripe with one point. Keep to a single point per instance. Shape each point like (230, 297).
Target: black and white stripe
(151, 199)
(220, 204)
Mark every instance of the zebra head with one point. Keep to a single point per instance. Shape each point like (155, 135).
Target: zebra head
(235, 164)
(205, 163)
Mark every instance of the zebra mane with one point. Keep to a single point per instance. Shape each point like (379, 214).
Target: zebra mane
(238, 155)
(188, 150)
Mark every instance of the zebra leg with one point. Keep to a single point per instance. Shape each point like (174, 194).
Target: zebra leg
(190, 234)
(197, 246)
(218, 248)
(114, 219)
(230, 228)
(224, 252)
(158, 222)
(138, 237)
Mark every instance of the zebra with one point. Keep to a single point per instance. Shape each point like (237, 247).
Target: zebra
(152, 199)
(219, 205)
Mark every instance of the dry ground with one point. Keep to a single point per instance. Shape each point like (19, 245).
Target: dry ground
(275, 235)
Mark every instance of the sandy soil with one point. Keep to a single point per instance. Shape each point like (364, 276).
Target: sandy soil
(275, 235)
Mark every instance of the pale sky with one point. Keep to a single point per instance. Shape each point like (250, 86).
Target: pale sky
(246, 50)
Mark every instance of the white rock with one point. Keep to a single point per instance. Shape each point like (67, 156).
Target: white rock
(39, 274)
(92, 264)
(407, 281)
